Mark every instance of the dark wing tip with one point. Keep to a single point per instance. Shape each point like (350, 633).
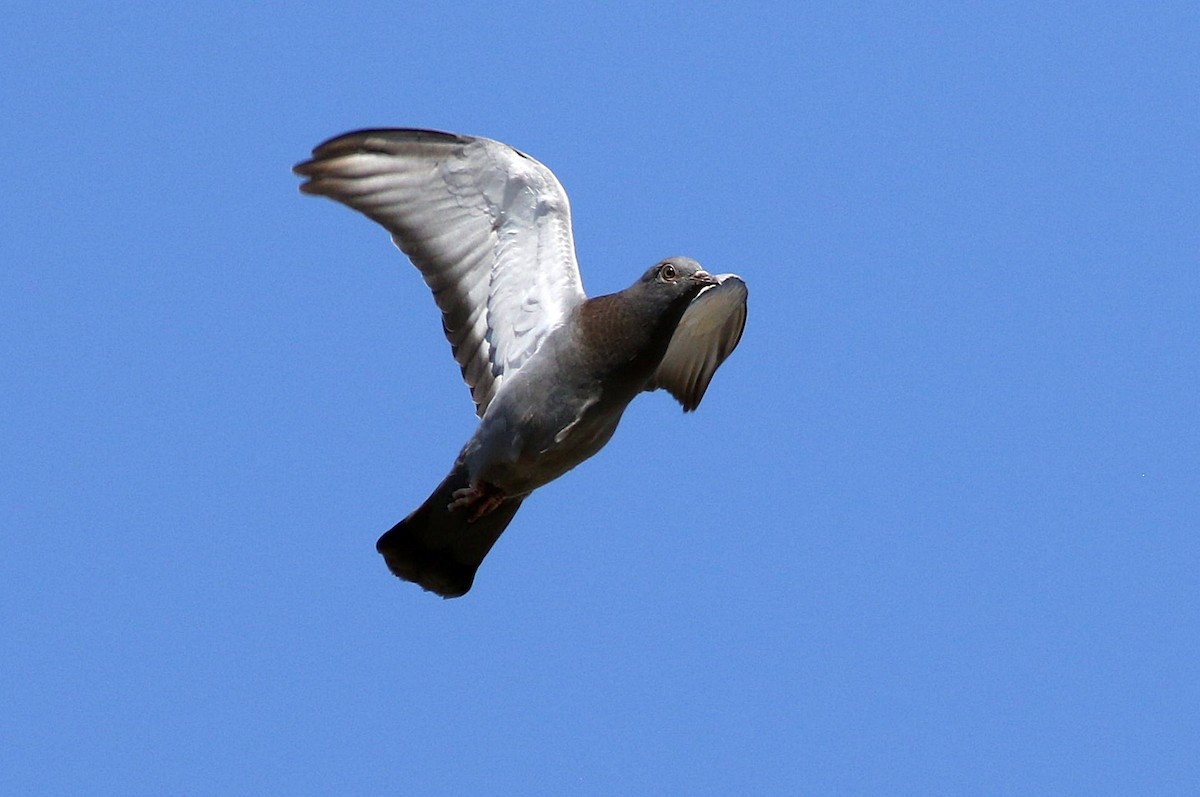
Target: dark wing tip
(381, 140)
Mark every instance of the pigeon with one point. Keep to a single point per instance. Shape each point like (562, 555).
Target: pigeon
(550, 370)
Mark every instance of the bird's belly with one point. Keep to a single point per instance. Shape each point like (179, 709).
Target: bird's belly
(534, 460)
(578, 441)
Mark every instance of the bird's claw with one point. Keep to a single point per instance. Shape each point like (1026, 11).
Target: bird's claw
(481, 498)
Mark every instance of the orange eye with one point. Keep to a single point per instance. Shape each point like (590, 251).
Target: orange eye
(668, 272)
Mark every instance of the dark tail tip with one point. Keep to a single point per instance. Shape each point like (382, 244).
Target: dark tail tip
(435, 570)
(439, 548)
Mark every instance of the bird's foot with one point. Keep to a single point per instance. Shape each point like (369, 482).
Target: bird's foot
(481, 498)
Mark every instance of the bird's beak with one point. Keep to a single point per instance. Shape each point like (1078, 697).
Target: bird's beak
(704, 278)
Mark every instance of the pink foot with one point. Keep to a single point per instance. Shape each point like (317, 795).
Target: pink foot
(481, 498)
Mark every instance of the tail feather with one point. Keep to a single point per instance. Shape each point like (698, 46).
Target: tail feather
(440, 549)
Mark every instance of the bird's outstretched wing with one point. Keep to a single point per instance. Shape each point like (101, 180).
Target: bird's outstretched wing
(488, 227)
(708, 333)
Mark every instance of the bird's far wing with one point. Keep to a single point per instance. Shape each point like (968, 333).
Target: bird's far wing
(708, 333)
(488, 227)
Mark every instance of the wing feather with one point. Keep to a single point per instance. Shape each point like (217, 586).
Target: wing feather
(708, 333)
(488, 227)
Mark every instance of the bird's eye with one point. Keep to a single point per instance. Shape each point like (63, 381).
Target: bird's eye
(668, 272)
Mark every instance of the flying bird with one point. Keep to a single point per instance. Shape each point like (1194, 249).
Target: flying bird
(550, 370)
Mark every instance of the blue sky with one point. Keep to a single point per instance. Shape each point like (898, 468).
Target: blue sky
(933, 530)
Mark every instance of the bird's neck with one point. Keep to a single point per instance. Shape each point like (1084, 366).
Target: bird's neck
(628, 338)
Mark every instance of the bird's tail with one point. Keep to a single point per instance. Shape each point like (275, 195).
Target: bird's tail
(440, 549)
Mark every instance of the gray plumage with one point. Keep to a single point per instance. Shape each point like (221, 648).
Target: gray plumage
(551, 371)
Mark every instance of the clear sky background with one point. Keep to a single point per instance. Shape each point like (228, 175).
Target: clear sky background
(933, 530)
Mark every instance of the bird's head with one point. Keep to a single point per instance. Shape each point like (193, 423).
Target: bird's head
(676, 279)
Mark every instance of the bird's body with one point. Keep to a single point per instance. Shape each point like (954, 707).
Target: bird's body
(552, 372)
(566, 401)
